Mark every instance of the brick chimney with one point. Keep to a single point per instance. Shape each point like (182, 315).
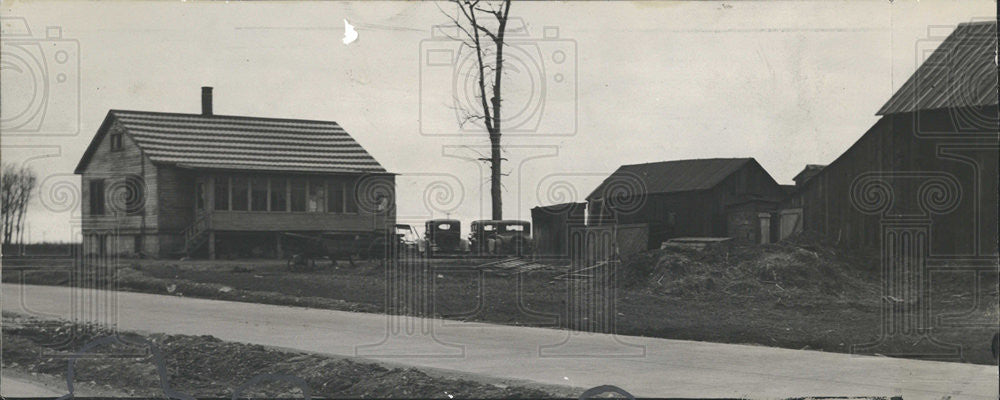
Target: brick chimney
(206, 100)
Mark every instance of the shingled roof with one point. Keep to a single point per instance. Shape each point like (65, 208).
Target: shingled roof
(239, 143)
(670, 176)
(961, 72)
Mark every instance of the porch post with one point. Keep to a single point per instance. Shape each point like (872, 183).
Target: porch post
(277, 240)
(211, 245)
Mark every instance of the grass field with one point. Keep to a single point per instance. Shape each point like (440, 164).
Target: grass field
(800, 296)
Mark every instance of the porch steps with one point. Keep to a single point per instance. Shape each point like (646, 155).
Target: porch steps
(196, 234)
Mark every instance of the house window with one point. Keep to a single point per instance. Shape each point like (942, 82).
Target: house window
(350, 200)
(97, 197)
(335, 196)
(279, 195)
(298, 195)
(317, 195)
(241, 189)
(135, 194)
(258, 194)
(222, 193)
(116, 141)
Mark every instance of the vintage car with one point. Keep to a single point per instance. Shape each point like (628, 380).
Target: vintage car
(443, 236)
(500, 237)
(408, 237)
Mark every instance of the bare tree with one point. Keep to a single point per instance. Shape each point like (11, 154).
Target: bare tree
(482, 25)
(16, 185)
(8, 187)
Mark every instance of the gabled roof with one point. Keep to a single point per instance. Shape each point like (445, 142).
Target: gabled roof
(239, 143)
(808, 172)
(670, 176)
(961, 72)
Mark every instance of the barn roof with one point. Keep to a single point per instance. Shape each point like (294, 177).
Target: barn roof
(961, 72)
(239, 143)
(670, 176)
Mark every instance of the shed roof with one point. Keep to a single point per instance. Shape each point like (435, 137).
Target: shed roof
(810, 169)
(239, 143)
(560, 206)
(961, 72)
(670, 176)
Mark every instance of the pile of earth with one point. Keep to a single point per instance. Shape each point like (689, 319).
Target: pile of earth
(799, 268)
(204, 366)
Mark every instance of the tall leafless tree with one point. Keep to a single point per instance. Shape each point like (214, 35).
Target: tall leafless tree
(482, 25)
(16, 185)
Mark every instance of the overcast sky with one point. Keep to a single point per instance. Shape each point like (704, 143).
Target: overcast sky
(597, 85)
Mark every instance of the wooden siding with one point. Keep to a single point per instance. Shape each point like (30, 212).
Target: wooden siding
(907, 151)
(175, 192)
(551, 225)
(698, 213)
(114, 167)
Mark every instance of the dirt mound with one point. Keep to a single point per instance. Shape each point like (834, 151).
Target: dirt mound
(205, 366)
(799, 268)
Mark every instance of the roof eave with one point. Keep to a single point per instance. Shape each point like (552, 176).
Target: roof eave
(96, 141)
(272, 170)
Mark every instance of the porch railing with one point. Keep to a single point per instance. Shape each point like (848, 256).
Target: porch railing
(196, 234)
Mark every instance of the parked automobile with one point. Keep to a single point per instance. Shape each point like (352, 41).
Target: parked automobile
(500, 237)
(408, 237)
(443, 236)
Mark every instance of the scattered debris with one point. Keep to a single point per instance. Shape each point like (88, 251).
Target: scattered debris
(204, 366)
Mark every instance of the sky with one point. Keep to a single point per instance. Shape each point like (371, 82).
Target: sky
(591, 86)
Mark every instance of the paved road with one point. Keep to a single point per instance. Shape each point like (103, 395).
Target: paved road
(18, 387)
(643, 366)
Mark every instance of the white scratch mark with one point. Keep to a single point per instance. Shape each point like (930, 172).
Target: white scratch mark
(350, 35)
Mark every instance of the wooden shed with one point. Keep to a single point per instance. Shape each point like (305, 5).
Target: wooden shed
(551, 226)
(929, 164)
(162, 184)
(683, 197)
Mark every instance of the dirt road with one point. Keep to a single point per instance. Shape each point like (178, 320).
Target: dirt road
(643, 366)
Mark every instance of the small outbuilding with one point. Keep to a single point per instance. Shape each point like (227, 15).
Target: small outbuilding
(551, 226)
(686, 198)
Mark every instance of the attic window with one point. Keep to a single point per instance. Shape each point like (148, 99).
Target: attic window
(116, 141)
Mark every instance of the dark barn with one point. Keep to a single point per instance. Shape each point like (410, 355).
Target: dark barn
(684, 198)
(551, 226)
(930, 161)
(163, 184)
